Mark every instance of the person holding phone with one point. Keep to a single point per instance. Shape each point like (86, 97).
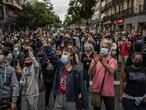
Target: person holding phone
(103, 64)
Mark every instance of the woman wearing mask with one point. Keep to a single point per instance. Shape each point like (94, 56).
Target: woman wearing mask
(133, 96)
(68, 81)
(102, 69)
(86, 59)
(29, 83)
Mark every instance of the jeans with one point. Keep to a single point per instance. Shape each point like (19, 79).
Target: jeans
(87, 78)
(129, 104)
(109, 103)
(62, 104)
(29, 103)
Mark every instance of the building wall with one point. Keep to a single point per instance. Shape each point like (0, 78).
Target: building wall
(10, 7)
(129, 11)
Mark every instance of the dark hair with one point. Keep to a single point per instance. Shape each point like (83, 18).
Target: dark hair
(5, 51)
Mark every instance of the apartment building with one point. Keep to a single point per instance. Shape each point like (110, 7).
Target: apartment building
(119, 15)
(8, 14)
(27, 1)
(96, 21)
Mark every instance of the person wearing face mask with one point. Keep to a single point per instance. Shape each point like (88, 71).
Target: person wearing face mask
(124, 46)
(102, 69)
(29, 83)
(68, 81)
(18, 56)
(133, 94)
(9, 86)
(86, 60)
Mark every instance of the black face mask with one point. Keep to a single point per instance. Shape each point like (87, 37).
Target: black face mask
(137, 63)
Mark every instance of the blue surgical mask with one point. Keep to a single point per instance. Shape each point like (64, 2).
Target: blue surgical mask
(104, 51)
(64, 59)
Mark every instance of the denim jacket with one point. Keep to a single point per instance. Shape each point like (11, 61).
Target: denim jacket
(75, 80)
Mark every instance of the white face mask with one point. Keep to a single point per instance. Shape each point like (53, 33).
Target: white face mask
(104, 51)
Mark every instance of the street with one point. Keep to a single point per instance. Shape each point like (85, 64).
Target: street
(80, 47)
(41, 103)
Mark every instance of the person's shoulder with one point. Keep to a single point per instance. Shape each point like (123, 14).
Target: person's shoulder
(128, 67)
(77, 69)
(143, 68)
(10, 68)
(111, 59)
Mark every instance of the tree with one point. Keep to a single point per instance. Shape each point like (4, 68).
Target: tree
(67, 21)
(81, 9)
(37, 14)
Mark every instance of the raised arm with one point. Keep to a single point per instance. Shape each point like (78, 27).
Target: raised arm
(54, 59)
(35, 63)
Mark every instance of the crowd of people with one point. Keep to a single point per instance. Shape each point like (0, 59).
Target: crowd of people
(68, 60)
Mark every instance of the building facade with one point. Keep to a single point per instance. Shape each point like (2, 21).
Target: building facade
(119, 15)
(8, 14)
(27, 1)
(96, 21)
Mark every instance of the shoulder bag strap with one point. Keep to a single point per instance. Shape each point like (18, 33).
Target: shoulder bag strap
(103, 79)
(103, 84)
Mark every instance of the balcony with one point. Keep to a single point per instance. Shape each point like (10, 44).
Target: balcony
(123, 14)
(106, 7)
(14, 3)
(115, 2)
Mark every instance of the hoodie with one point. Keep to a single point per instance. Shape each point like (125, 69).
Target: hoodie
(30, 76)
(9, 86)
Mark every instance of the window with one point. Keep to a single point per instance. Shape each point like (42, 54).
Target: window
(115, 10)
(1, 13)
(122, 6)
(10, 1)
(144, 4)
(18, 2)
(140, 8)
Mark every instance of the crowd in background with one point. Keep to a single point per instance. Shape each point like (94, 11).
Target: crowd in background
(68, 60)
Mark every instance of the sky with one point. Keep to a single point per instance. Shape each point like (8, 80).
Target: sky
(60, 7)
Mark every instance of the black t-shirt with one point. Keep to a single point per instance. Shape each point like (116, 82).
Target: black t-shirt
(48, 75)
(136, 81)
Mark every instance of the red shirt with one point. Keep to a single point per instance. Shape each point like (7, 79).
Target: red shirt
(124, 46)
(62, 84)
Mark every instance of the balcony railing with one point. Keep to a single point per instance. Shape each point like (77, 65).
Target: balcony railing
(116, 1)
(106, 7)
(13, 3)
(121, 14)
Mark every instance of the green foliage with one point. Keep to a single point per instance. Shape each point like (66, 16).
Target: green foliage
(67, 21)
(81, 9)
(37, 14)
